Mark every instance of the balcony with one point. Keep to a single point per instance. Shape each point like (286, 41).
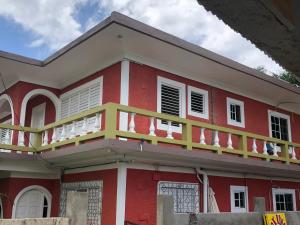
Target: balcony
(102, 123)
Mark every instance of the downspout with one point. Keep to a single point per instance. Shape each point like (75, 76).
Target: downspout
(205, 188)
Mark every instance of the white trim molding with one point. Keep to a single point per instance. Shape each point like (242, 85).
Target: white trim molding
(6, 97)
(124, 93)
(205, 114)
(121, 194)
(237, 189)
(29, 188)
(281, 115)
(230, 101)
(182, 101)
(283, 191)
(55, 100)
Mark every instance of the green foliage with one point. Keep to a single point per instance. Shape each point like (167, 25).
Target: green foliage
(289, 77)
(285, 75)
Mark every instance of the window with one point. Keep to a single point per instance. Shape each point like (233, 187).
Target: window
(170, 100)
(5, 134)
(94, 190)
(279, 126)
(235, 112)
(32, 202)
(80, 99)
(239, 198)
(284, 199)
(197, 102)
(185, 195)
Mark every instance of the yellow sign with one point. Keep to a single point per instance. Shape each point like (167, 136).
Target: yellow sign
(275, 219)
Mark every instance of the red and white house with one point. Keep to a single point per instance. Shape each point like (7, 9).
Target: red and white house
(95, 117)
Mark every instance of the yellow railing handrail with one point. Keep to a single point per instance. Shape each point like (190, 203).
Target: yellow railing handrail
(111, 111)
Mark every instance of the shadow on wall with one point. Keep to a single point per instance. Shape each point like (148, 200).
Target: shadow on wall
(166, 216)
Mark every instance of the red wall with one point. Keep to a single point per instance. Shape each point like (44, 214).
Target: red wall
(256, 188)
(142, 191)
(109, 196)
(10, 187)
(143, 94)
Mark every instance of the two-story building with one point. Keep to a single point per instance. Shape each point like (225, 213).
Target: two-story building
(127, 112)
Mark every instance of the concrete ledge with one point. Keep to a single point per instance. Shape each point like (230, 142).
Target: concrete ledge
(40, 221)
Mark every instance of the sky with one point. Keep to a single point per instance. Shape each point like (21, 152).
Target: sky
(38, 28)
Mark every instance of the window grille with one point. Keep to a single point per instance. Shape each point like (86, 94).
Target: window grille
(185, 196)
(284, 202)
(235, 113)
(94, 190)
(279, 128)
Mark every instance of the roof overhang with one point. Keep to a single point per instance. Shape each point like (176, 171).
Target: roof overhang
(102, 152)
(120, 37)
(272, 25)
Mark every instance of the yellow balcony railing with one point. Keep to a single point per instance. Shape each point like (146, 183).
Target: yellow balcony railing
(102, 122)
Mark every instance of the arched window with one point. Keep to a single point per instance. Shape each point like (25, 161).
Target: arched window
(32, 202)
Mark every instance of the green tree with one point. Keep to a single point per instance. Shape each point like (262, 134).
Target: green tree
(288, 76)
(285, 75)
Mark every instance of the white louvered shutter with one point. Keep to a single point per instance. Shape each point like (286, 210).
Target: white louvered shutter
(80, 101)
(197, 102)
(170, 101)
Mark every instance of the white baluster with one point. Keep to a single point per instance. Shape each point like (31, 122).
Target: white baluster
(229, 142)
(265, 148)
(21, 138)
(294, 157)
(97, 122)
(54, 136)
(275, 150)
(169, 131)
(202, 136)
(84, 127)
(216, 139)
(254, 146)
(73, 130)
(63, 133)
(7, 137)
(45, 138)
(152, 127)
(131, 123)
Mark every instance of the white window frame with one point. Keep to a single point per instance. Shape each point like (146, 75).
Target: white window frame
(284, 116)
(203, 115)
(233, 190)
(230, 101)
(182, 103)
(283, 191)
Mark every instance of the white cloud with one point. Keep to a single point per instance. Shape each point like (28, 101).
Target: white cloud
(190, 21)
(51, 21)
(54, 24)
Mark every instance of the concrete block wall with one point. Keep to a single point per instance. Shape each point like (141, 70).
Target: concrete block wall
(166, 216)
(41, 221)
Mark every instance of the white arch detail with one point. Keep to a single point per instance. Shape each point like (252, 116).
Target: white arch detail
(29, 188)
(6, 97)
(49, 94)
